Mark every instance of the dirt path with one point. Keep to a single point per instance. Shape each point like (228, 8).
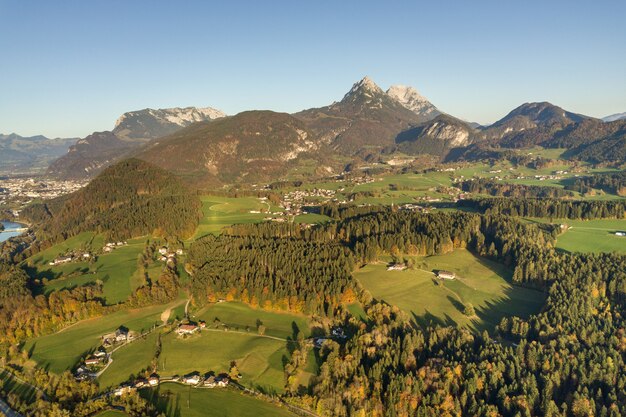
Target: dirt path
(165, 315)
(250, 334)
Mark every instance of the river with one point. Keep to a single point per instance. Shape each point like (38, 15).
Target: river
(11, 229)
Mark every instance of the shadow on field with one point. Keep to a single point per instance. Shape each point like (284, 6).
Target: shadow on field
(166, 401)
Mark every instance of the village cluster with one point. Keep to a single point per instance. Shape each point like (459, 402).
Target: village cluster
(25, 190)
(194, 379)
(111, 246)
(72, 256)
(167, 255)
(95, 363)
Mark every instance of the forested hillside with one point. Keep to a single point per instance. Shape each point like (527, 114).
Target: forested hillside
(131, 198)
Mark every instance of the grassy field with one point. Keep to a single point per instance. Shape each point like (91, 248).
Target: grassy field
(130, 359)
(219, 212)
(62, 350)
(116, 270)
(592, 236)
(179, 401)
(238, 316)
(259, 359)
(480, 282)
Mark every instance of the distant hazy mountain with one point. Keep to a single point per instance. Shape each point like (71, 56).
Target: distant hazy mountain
(90, 155)
(95, 152)
(365, 117)
(251, 145)
(614, 117)
(18, 153)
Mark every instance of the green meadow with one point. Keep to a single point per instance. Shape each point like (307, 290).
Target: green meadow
(482, 283)
(129, 359)
(116, 270)
(219, 212)
(238, 316)
(259, 359)
(180, 401)
(593, 236)
(62, 350)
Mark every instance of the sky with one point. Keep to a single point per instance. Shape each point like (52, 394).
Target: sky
(69, 68)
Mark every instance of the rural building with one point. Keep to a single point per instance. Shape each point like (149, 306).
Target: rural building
(396, 267)
(139, 383)
(445, 275)
(124, 389)
(222, 381)
(210, 382)
(191, 379)
(186, 329)
(92, 361)
(153, 380)
(121, 334)
(100, 353)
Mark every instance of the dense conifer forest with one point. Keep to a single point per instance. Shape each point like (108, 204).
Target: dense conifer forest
(131, 198)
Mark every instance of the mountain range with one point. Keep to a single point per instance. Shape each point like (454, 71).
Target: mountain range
(95, 152)
(204, 145)
(27, 153)
(614, 117)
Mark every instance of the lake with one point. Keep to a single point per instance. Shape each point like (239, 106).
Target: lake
(10, 230)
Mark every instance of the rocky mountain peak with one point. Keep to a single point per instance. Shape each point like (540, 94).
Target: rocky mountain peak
(364, 87)
(410, 98)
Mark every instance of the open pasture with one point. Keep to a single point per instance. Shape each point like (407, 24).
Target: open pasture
(479, 282)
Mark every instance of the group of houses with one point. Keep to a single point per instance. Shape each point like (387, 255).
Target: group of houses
(111, 246)
(91, 364)
(166, 255)
(209, 380)
(75, 256)
(194, 379)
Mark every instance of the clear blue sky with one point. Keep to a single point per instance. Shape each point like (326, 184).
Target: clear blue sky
(72, 67)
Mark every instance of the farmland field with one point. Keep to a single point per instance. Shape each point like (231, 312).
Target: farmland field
(259, 359)
(179, 401)
(62, 350)
(593, 236)
(219, 212)
(480, 282)
(116, 270)
(239, 316)
(129, 359)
